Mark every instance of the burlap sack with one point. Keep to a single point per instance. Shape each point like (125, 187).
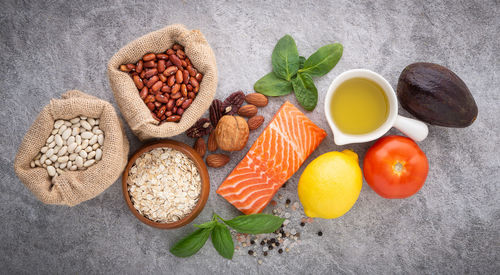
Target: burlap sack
(126, 94)
(73, 187)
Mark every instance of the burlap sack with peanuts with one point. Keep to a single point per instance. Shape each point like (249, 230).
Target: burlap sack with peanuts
(126, 93)
(73, 187)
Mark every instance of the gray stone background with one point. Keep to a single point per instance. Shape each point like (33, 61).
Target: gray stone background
(450, 226)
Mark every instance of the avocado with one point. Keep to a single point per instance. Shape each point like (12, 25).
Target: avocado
(436, 95)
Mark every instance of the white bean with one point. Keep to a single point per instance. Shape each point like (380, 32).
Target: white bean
(50, 152)
(89, 162)
(50, 139)
(91, 155)
(43, 158)
(79, 161)
(53, 158)
(44, 149)
(95, 146)
(63, 165)
(86, 135)
(78, 140)
(65, 135)
(83, 154)
(75, 120)
(93, 140)
(98, 154)
(91, 121)
(100, 139)
(85, 143)
(78, 149)
(51, 170)
(75, 131)
(88, 149)
(72, 147)
(62, 129)
(48, 162)
(73, 156)
(71, 140)
(86, 125)
(58, 123)
(73, 167)
(58, 140)
(63, 150)
(63, 159)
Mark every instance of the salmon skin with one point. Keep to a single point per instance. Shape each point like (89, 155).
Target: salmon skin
(275, 156)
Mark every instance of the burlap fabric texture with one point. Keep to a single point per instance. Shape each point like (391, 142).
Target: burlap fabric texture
(73, 187)
(126, 94)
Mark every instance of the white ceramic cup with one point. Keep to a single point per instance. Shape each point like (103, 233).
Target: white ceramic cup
(414, 129)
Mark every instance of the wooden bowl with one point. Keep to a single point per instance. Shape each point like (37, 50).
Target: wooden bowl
(202, 169)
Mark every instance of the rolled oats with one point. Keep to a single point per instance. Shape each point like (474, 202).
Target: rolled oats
(164, 185)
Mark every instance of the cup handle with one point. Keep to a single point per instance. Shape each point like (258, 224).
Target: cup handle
(413, 128)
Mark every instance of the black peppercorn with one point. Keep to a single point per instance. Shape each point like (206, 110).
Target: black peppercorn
(273, 240)
(265, 253)
(288, 201)
(320, 233)
(270, 247)
(250, 252)
(277, 243)
(284, 185)
(302, 223)
(252, 242)
(262, 243)
(280, 251)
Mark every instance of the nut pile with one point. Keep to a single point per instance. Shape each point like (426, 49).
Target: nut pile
(72, 145)
(167, 82)
(164, 185)
(226, 127)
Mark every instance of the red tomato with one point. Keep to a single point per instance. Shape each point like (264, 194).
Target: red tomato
(395, 167)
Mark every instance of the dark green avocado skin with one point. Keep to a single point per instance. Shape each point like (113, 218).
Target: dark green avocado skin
(436, 95)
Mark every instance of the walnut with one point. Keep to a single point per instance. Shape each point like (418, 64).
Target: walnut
(231, 133)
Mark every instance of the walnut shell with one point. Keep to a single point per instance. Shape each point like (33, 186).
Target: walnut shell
(231, 133)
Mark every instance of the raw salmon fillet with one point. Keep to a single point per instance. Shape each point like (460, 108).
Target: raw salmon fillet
(275, 156)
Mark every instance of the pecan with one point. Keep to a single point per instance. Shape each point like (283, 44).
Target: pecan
(215, 112)
(233, 102)
(200, 128)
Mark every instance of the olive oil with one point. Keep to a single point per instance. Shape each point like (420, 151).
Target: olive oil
(359, 106)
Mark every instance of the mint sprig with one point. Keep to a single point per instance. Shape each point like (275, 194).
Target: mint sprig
(217, 229)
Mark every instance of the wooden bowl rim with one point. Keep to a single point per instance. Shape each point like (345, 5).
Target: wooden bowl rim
(198, 161)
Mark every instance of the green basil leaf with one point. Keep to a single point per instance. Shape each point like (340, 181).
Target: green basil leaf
(223, 241)
(302, 60)
(209, 224)
(323, 60)
(271, 85)
(305, 91)
(255, 223)
(285, 58)
(190, 244)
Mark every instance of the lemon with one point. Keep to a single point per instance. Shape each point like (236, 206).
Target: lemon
(330, 184)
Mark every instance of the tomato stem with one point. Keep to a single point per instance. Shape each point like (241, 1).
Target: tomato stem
(398, 167)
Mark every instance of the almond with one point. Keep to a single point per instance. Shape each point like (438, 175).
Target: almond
(256, 99)
(212, 142)
(200, 147)
(248, 110)
(217, 160)
(255, 122)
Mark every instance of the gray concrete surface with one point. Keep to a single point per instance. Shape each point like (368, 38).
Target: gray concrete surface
(451, 226)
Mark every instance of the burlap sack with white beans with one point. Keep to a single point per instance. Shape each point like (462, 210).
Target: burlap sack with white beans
(126, 94)
(73, 187)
